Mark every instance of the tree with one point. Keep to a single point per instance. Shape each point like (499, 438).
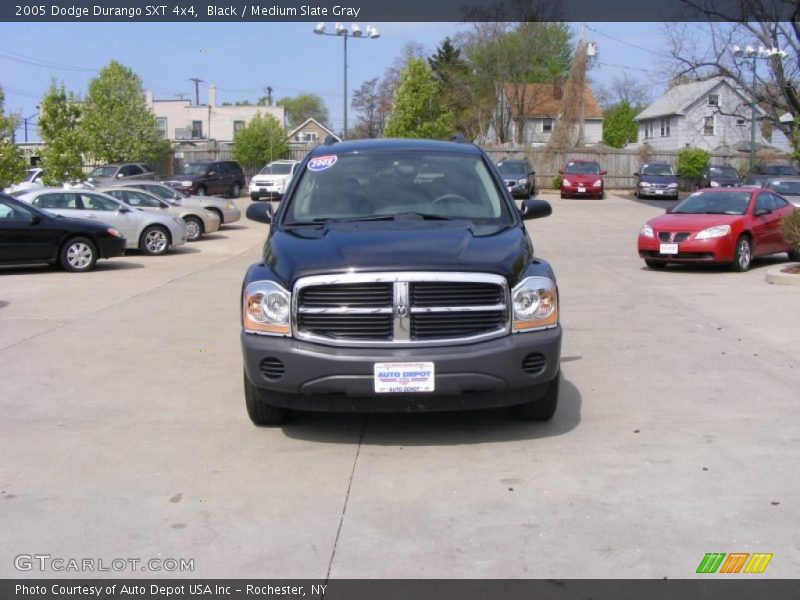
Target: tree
(59, 128)
(691, 163)
(619, 129)
(624, 88)
(304, 106)
(261, 141)
(116, 124)
(12, 163)
(456, 81)
(366, 102)
(418, 109)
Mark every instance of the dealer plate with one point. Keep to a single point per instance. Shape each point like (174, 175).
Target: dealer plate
(581, 189)
(668, 249)
(404, 377)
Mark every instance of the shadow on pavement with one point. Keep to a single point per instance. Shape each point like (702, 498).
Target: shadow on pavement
(762, 262)
(436, 428)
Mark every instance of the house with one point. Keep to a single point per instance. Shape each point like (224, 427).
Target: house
(180, 120)
(311, 131)
(713, 114)
(535, 107)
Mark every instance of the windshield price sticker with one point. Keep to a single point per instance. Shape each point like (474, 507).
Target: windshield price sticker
(320, 163)
(404, 377)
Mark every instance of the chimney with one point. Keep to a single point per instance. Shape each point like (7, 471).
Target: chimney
(212, 94)
(558, 87)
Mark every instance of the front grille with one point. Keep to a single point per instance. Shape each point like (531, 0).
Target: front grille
(409, 308)
(669, 236)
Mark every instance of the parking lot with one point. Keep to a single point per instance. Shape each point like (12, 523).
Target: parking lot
(124, 432)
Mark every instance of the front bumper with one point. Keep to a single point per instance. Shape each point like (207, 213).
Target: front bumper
(575, 190)
(658, 192)
(717, 250)
(335, 378)
(231, 214)
(111, 247)
(519, 190)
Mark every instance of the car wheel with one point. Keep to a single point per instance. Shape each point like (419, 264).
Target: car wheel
(655, 264)
(260, 411)
(194, 228)
(563, 195)
(253, 198)
(794, 255)
(742, 254)
(236, 190)
(202, 191)
(78, 255)
(541, 409)
(602, 196)
(154, 240)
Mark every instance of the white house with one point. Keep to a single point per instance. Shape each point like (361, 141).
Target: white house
(712, 114)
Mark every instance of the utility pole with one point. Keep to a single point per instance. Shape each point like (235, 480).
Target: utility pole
(268, 92)
(197, 82)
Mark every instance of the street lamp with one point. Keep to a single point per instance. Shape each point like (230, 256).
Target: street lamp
(370, 33)
(761, 53)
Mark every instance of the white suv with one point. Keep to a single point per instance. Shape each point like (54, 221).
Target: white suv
(273, 179)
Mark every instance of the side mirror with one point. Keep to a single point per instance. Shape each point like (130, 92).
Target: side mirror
(260, 212)
(120, 175)
(532, 173)
(603, 172)
(636, 174)
(534, 209)
(124, 209)
(36, 219)
(669, 210)
(561, 171)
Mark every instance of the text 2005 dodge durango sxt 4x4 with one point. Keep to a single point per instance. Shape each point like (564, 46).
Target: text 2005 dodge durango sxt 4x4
(398, 276)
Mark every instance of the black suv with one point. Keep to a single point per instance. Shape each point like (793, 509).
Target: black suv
(720, 176)
(518, 177)
(398, 276)
(209, 178)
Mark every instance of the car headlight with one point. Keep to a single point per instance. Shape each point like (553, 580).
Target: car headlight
(598, 183)
(647, 231)
(230, 205)
(672, 185)
(535, 304)
(186, 183)
(266, 308)
(523, 181)
(714, 184)
(713, 232)
(644, 184)
(113, 232)
(565, 182)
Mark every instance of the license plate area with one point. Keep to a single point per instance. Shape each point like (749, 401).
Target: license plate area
(404, 377)
(668, 249)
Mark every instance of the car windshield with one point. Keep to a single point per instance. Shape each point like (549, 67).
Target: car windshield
(194, 169)
(662, 170)
(162, 192)
(787, 188)
(380, 184)
(277, 169)
(723, 172)
(780, 170)
(106, 171)
(512, 168)
(586, 168)
(714, 203)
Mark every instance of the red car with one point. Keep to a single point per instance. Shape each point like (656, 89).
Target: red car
(713, 225)
(582, 178)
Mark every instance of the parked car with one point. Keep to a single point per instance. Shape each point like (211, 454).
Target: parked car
(273, 179)
(787, 186)
(32, 181)
(198, 220)
(762, 172)
(226, 210)
(720, 176)
(518, 177)
(152, 233)
(30, 235)
(115, 172)
(715, 225)
(383, 290)
(656, 180)
(582, 178)
(209, 178)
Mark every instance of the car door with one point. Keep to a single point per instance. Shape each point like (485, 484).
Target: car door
(105, 210)
(61, 203)
(24, 234)
(781, 208)
(766, 224)
(214, 181)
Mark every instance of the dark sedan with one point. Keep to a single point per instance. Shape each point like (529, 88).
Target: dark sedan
(30, 235)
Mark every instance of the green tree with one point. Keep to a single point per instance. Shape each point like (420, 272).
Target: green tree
(12, 163)
(304, 106)
(59, 128)
(261, 141)
(418, 109)
(619, 128)
(457, 83)
(691, 163)
(117, 125)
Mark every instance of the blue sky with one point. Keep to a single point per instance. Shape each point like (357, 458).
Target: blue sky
(242, 58)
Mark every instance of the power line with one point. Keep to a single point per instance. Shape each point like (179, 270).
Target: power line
(39, 62)
(627, 43)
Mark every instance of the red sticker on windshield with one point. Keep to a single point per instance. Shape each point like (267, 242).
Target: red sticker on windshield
(320, 163)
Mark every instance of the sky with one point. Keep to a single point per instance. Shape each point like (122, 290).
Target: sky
(242, 58)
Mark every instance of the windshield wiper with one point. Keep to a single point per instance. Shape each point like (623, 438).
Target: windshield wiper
(323, 220)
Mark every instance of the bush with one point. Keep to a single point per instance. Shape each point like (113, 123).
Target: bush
(691, 164)
(557, 182)
(790, 228)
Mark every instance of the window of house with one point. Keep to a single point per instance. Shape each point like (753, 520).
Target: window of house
(197, 130)
(306, 136)
(648, 130)
(162, 126)
(547, 125)
(708, 125)
(664, 127)
(740, 122)
(238, 126)
(713, 99)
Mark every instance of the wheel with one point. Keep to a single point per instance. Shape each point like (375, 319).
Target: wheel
(602, 195)
(154, 240)
(794, 255)
(563, 195)
(202, 191)
(194, 228)
(742, 255)
(253, 198)
(260, 412)
(78, 255)
(236, 190)
(655, 264)
(541, 409)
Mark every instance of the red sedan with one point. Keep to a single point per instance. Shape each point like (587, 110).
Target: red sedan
(731, 225)
(582, 178)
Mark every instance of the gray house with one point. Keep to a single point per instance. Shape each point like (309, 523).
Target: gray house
(712, 114)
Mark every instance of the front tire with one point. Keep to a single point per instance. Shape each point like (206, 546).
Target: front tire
(742, 254)
(154, 240)
(541, 409)
(236, 190)
(202, 191)
(794, 255)
(78, 255)
(194, 228)
(260, 412)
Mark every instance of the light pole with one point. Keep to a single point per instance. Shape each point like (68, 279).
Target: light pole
(747, 53)
(371, 33)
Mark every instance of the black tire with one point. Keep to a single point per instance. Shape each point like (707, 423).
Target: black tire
(794, 255)
(154, 240)
(260, 412)
(254, 198)
(236, 190)
(602, 196)
(541, 409)
(202, 191)
(563, 195)
(78, 255)
(655, 264)
(194, 228)
(742, 254)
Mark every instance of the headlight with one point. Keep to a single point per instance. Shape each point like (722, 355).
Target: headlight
(265, 309)
(113, 232)
(230, 206)
(598, 183)
(713, 232)
(565, 182)
(714, 184)
(647, 231)
(535, 304)
(523, 181)
(672, 185)
(644, 184)
(186, 183)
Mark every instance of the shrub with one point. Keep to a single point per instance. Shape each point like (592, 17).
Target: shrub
(557, 182)
(691, 164)
(790, 228)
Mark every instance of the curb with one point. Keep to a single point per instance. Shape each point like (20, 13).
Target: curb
(777, 277)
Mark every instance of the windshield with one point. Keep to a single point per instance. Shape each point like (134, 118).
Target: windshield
(662, 170)
(787, 188)
(162, 192)
(377, 184)
(194, 169)
(715, 203)
(586, 168)
(780, 170)
(107, 171)
(277, 169)
(512, 168)
(728, 172)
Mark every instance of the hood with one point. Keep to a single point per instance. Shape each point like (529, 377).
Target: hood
(271, 177)
(672, 222)
(664, 179)
(732, 181)
(397, 245)
(185, 177)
